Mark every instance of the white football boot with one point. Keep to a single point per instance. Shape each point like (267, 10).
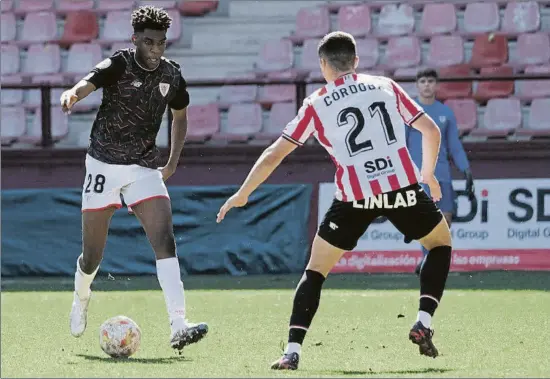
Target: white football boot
(79, 314)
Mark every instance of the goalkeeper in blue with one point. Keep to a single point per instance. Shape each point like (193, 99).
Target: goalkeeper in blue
(451, 147)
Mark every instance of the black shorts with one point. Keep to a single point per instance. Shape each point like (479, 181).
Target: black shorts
(409, 209)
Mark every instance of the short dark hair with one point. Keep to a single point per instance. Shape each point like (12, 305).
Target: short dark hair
(427, 73)
(339, 50)
(149, 17)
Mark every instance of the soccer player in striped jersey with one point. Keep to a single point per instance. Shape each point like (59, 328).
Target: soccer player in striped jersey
(359, 119)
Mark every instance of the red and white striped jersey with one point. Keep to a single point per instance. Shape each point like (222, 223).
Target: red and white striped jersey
(360, 120)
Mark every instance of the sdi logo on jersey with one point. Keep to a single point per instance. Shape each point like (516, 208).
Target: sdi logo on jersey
(378, 167)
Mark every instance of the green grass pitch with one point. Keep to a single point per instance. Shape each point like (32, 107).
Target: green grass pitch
(488, 325)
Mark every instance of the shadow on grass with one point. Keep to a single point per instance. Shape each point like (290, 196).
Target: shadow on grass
(162, 360)
(489, 280)
(392, 372)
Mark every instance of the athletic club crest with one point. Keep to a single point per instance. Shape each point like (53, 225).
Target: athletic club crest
(442, 119)
(164, 87)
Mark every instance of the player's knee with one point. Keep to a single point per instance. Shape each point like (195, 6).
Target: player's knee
(91, 258)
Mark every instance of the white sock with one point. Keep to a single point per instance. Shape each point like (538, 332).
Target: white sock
(293, 347)
(83, 281)
(168, 273)
(425, 318)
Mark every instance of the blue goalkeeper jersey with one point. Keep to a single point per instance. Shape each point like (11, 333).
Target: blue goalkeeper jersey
(451, 146)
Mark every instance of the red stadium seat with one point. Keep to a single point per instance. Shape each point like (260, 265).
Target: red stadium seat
(243, 121)
(492, 89)
(530, 89)
(10, 60)
(34, 97)
(281, 114)
(74, 5)
(446, 51)
(533, 49)
(6, 5)
(166, 4)
(448, 90)
(27, 6)
(277, 93)
(310, 88)
(310, 59)
(233, 94)
(11, 97)
(367, 51)
(80, 26)
(355, 19)
(311, 22)
(275, 55)
(402, 52)
(120, 46)
(174, 33)
(465, 111)
(59, 123)
(82, 58)
(521, 17)
(8, 27)
(537, 123)
(501, 118)
(409, 87)
(489, 51)
(117, 27)
(43, 64)
(395, 20)
(481, 17)
(204, 121)
(110, 5)
(438, 19)
(197, 8)
(13, 124)
(38, 27)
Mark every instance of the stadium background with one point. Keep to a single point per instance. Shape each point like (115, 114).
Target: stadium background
(248, 65)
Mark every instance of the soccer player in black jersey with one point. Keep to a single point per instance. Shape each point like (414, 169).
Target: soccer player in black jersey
(122, 159)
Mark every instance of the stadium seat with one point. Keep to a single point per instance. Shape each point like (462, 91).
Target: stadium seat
(110, 5)
(28, 6)
(119, 46)
(59, 123)
(74, 5)
(311, 22)
(38, 27)
(533, 49)
(521, 17)
(174, 33)
(6, 5)
(438, 19)
(281, 75)
(204, 121)
(448, 90)
(166, 4)
(501, 118)
(117, 27)
(10, 60)
(11, 97)
(465, 111)
(409, 87)
(310, 60)
(197, 8)
(310, 88)
(80, 26)
(281, 114)
(355, 19)
(395, 20)
(13, 124)
(538, 124)
(493, 89)
(277, 93)
(367, 51)
(43, 64)
(91, 102)
(8, 27)
(445, 51)
(481, 17)
(402, 52)
(489, 50)
(530, 89)
(82, 58)
(233, 94)
(275, 55)
(34, 97)
(243, 121)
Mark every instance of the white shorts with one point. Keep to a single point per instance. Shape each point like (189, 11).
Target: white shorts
(105, 183)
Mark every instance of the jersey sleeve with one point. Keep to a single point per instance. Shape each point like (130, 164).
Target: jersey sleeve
(302, 126)
(181, 98)
(409, 110)
(108, 71)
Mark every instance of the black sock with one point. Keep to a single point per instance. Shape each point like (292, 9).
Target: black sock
(433, 277)
(306, 302)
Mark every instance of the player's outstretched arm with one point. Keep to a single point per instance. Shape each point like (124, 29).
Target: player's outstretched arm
(70, 97)
(178, 133)
(270, 159)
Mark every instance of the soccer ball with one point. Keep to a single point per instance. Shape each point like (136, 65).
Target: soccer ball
(119, 337)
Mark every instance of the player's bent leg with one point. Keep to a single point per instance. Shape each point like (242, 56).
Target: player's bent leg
(306, 300)
(95, 228)
(155, 215)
